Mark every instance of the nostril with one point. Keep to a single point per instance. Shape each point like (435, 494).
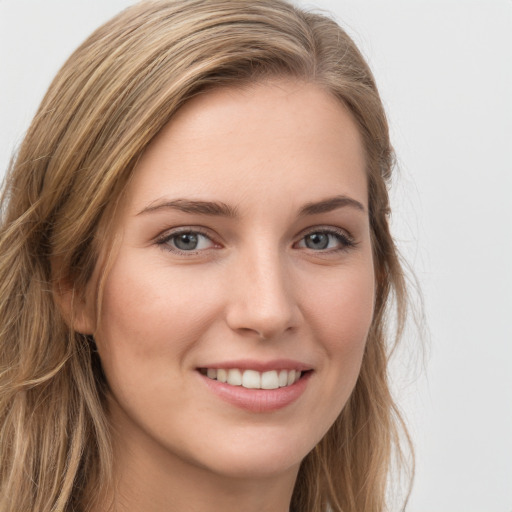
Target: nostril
(265, 325)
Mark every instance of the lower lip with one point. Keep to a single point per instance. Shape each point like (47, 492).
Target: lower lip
(258, 400)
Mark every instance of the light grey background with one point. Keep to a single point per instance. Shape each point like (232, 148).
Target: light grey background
(445, 73)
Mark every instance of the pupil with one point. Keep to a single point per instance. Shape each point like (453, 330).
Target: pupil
(186, 241)
(317, 241)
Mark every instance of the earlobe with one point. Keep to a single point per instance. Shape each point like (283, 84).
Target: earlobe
(75, 308)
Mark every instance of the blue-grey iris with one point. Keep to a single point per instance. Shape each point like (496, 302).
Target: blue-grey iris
(317, 241)
(186, 241)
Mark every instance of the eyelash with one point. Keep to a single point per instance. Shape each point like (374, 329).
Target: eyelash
(165, 239)
(344, 239)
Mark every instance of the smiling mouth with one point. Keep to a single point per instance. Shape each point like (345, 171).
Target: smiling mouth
(252, 379)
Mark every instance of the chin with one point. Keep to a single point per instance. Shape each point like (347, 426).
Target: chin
(260, 455)
(257, 468)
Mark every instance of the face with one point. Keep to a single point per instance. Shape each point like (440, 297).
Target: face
(237, 306)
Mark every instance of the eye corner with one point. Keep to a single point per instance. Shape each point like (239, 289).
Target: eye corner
(193, 241)
(326, 240)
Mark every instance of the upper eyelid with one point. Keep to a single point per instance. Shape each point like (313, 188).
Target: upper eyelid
(214, 237)
(345, 238)
(164, 240)
(325, 229)
(170, 232)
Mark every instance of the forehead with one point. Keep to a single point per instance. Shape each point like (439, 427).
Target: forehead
(283, 139)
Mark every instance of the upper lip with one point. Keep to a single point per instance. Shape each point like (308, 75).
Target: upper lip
(260, 366)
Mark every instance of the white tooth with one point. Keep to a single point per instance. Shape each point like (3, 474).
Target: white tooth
(222, 375)
(283, 378)
(291, 377)
(297, 375)
(251, 379)
(269, 380)
(212, 373)
(234, 377)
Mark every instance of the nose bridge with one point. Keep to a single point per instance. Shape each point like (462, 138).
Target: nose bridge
(263, 301)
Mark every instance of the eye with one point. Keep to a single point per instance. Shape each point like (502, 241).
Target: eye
(326, 240)
(186, 241)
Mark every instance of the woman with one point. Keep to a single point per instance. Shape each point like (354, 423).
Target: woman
(197, 269)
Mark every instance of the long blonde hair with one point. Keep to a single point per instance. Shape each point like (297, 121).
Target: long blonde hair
(113, 95)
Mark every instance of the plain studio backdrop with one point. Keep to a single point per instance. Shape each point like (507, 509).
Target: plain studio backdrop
(444, 69)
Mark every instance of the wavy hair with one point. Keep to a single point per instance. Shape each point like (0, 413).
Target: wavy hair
(104, 107)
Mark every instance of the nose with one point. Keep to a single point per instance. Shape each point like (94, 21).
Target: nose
(262, 300)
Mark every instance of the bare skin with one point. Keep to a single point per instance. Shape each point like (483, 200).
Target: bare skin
(244, 241)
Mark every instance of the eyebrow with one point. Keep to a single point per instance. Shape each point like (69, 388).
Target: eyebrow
(190, 206)
(220, 209)
(330, 204)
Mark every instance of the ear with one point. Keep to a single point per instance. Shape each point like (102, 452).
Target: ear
(77, 308)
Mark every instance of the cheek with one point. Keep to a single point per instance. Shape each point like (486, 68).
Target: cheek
(151, 319)
(341, 315)
(137, 301)
(343, 310)
(150, 324)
